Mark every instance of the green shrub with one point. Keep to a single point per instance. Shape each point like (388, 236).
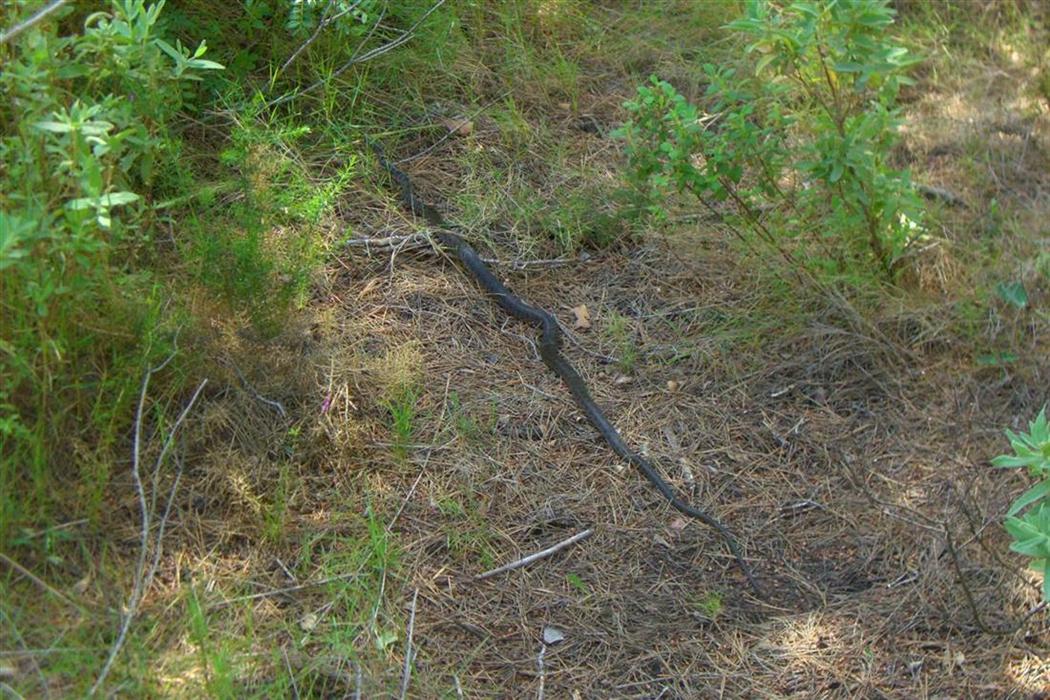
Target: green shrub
(85, 122)
(799, 144)
(1028, 520)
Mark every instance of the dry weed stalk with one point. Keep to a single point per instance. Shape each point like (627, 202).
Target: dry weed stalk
(143, 578)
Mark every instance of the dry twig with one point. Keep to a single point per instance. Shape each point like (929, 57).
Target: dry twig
(30, 21)
(143, 579)
(537, 556)
(406, 672)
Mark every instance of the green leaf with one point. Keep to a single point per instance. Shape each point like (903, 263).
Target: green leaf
(113, 199)
(1013, 293)
(1037, 546)
(204, 64)
(170, 50)
(1011, 462)
(54, 127)
(1046, 580)
(996, 359)
(1033, 494)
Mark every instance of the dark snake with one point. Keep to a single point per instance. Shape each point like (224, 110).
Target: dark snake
(550, 351)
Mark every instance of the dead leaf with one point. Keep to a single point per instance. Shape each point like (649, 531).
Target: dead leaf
(308, 622)
(673, 385)
(81, 586)
(583, 316)
(457, 127)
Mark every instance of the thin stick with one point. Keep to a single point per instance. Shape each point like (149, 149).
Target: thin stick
(27, 653)
(538, 555)
(142, 579)
(542, 671)
(415, 239)
(406, 672)
(22, 26)
(39, 581)
(275, 405)
(324, 22)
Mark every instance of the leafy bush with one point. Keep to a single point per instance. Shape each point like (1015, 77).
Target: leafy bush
(1028, 520)
(800, 144)
(85, 123)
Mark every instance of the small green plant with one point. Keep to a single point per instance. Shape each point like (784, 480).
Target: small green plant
(799, 144)
(275, 512)
(578, 583)
(710, 605)
(1028, 519)
(620, 333)
(402, 408)
(466, 425)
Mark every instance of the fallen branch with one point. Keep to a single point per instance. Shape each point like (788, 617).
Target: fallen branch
(538, 555)
(39, 581)
(386, 242)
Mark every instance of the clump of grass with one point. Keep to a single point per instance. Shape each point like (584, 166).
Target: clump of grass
(618, 330)
(468, 534)
(710, 605)
(398, 376)
(402, 408)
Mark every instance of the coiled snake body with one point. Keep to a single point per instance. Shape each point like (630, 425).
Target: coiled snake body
(550, 352)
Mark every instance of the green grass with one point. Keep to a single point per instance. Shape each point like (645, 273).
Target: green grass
(710, 605)
(403, 419)
(618, 329)
(468, 534)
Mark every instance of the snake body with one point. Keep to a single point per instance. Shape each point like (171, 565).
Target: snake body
(550, 352)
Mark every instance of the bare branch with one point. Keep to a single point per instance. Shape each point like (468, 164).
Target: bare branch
(406, 672)
(321, 24)
(29, 22)
(143, 579)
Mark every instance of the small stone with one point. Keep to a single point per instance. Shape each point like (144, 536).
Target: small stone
(553, 635)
